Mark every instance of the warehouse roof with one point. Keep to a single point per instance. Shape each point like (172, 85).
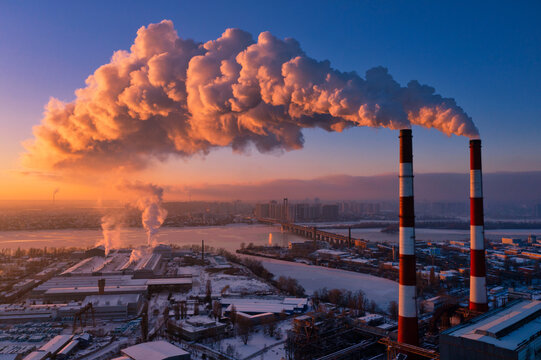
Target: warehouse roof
(170, 281)
(156, 350)
(508, 327)
(56, 343)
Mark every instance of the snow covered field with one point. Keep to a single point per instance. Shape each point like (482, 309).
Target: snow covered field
(382, 291)
(258, 341)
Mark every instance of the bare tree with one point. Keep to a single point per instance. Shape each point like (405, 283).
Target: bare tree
(233, 314)
(271, 328)
(243, 330)
(393, 310)
(217, 310)
(208, 295)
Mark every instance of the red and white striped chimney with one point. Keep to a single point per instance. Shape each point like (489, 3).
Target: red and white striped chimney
(407, 295)
(478, 286)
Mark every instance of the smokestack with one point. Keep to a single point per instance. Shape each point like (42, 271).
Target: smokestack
(203, 250)
(101, 286)
(285, 210)
(478, 287)
(349, 236)
(407, 295)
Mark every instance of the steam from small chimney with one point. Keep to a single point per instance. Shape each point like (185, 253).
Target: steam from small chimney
(137, 254)
(110, 227)
(55, 191)
(150, 203)
(173, 96)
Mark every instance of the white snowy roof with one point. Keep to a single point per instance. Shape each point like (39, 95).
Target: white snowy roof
(261, 308)
(506, 328)
(170, 281)
(36, 355)
(56, 343)
(91, 289)
(156, 350)
(112, 300)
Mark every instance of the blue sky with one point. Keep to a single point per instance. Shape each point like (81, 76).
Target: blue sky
(485, 55)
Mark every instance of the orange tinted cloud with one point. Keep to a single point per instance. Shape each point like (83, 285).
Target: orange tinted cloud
(172, 96)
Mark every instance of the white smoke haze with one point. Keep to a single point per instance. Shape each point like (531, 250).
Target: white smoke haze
(173, 96)
(150, 198)
(137, 254)
(111, 225)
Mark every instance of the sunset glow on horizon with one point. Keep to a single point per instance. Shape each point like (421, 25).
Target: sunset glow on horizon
(169, 110)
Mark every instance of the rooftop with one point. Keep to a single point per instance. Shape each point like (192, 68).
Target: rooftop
(509, 327)
(56, 343)
(112, 300)
(156, 350)
(170, 281)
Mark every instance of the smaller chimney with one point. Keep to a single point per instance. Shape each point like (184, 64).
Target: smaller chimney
(202, 250)
(101, 286)
(349, 237)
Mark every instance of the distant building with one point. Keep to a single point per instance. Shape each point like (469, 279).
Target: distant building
(50, 349)
(97, 251)
(329, 212)
(114, 306)
(511, 241)
(509, 333)
(434, 303)
(195, 328)
(371, 319)
(262, 211)
(155, 350)
(300, 246)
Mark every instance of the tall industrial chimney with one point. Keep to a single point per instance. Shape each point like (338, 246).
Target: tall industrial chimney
(407, 295)
(478, 285)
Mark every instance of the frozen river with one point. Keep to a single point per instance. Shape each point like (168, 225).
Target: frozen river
(228, 237)
(312, 278)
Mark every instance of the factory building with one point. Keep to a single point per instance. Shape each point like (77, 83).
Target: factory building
(509, 333)
(114, 306)
(264, 306)
(155, 350)
(64, 289)
(50, 349)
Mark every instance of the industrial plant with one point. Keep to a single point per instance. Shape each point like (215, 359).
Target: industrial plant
(475, 299)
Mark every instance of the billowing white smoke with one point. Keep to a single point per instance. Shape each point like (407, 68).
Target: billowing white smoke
(137, 254)
(149, 201)
(169, 95)
(110, 227)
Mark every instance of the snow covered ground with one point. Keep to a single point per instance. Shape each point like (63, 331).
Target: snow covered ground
(257, 342)
(381, 290)
(237, 284)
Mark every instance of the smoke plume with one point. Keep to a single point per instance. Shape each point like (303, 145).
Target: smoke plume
(173, 96)
(149, 201)
(55, 191)
(137, 254)
(110, 226)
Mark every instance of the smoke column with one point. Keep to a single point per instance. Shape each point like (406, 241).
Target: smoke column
(110, 227)
(173, 96)
(150, 203)
(54, 194)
